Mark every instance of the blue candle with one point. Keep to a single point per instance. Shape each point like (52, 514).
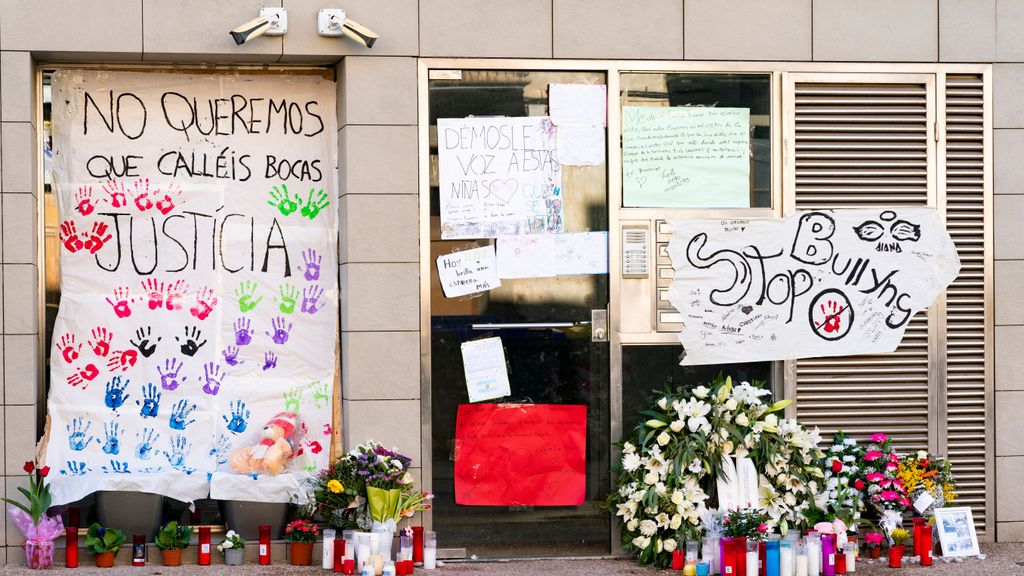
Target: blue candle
(772, 556)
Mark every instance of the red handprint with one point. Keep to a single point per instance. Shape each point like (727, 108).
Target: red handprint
(96, 237)
(141, 195)
(69, 236)
(205, 301)
(156, 293)
(314, 446)
(175, 293)
(832, 311)
(84, 198)
(115, 190)
(120, 302)
(68, 348)
(122, 360)
(166, 204)
(327, 429)
(84, 374)
(100, 343)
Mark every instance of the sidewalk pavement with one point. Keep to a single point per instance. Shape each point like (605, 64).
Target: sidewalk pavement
(1001, 560)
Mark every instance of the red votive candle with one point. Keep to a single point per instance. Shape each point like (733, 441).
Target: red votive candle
(409, 570)
(204, 545)
(71, 542)
(925, 532)
(339, 555)
(400, 568)
(139, 550)
(677, 559)
(350, 566)
(417, 545)
(918, 522)
(264, 544)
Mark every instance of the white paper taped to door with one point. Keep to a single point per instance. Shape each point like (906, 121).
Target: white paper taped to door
(198, 230)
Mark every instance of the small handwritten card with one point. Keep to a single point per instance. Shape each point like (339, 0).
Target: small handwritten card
(468, 272)
(486, 373)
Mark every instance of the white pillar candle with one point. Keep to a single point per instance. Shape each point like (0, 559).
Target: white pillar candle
(813, 560)
(786, 561)
(752, 563)
(801, 565)
(851, 559)
(430, 558)
(328, 555)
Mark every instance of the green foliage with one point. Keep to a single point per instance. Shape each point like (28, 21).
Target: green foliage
(173, 536)
(748, 523)
(99, 539)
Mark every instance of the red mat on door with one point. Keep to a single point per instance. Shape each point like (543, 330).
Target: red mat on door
(520, 454)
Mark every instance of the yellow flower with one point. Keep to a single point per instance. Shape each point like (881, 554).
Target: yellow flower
(335, 486)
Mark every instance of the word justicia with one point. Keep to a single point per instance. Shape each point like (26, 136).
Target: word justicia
(781, 276)
(192, 241)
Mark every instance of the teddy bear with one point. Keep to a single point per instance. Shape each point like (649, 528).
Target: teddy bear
(276, 446)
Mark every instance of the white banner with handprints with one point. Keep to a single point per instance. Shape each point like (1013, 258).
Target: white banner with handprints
(824, 283)
(198, 231)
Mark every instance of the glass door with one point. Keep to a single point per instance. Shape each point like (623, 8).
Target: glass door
(544, 324)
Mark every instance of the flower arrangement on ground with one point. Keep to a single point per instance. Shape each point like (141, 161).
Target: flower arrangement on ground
(385, 474)
(921, 472)
(339, 496)
(885, 491)
(104, 543)
(301, 530)
(671, 462)
(748, 523)
(233, 548)
(171, 540)
(842, 497)
(39, 528)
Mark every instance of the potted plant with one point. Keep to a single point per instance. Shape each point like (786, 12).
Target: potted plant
(31, 518)
(104, 543)
(301, 534)
(233, 548)
(899, 538)
(171, 540)
(874, 542)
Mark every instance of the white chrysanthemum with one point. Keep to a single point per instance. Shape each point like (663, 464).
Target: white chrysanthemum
(648, 527)
(631, 461)
(669, 545)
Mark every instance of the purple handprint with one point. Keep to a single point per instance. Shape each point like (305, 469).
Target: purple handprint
(231, 356)
(281, 332)
(169, 374)
(311, 299)
(269, 361)
(243, 331)
(312, 267)
(212, 376)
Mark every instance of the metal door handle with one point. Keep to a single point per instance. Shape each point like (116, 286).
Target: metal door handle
(527, 325)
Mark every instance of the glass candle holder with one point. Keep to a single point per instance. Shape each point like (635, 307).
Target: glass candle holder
(800, 563)
(710, 551)
(350, 544)
(327, 557)
(813, 542)
(828, 555)
(363, 548)
(753, 551)
(691, 551)
(771, 555)
(430, 550)
(405, 547)
(786, 556)
(851, 557)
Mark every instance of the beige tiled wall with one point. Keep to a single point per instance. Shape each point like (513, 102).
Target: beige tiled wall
(378, 164)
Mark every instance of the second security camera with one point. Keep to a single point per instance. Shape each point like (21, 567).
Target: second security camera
(333, 22)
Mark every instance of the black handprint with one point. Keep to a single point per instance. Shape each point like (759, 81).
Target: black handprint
(143, 336)
(192, 343)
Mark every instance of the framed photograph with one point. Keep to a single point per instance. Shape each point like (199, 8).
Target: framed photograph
(956, 531)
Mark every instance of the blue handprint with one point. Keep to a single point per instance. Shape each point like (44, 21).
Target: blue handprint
(112, 443)
(180, 447)
(75, 469)
(77, 440)
(180, 413)
(150, 402)
(115, 396)
(144, 451)
(219, 449)
(117, 468)
(239, 417)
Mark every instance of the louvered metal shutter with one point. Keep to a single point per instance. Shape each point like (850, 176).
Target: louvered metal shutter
(967, 440)
(856, 141)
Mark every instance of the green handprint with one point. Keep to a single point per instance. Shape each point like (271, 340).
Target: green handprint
(312, 208)
(293, 400)
(245, 292)
(282, 200)
(288, 295)
(321, 394)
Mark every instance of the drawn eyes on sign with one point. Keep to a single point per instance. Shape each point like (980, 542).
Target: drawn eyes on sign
(905, 231)
(869, 231)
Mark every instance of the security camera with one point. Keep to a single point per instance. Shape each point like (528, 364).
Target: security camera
(333, 22)
(271, 21)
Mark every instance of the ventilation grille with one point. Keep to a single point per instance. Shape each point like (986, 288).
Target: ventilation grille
(864, 145)
(966, 405)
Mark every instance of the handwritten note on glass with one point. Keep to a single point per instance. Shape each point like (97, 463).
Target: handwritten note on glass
(468, 272)
(498, 176)
(486, 372)
(520, 455)
(686, 157)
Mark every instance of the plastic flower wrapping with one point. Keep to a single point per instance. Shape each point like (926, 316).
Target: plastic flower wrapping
(48, 528)
(672, 462)
(921, 472)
